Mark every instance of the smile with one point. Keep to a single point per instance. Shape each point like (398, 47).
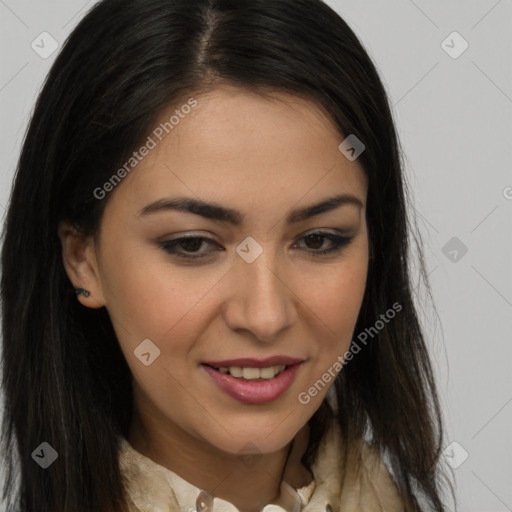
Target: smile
(252, 385)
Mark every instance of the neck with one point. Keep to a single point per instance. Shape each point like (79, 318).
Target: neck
(248, 484)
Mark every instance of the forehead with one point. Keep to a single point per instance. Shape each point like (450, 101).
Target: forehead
(238, 148)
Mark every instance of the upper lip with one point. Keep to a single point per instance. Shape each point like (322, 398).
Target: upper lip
(248, 362)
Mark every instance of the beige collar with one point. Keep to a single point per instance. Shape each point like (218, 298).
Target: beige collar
(154, 488)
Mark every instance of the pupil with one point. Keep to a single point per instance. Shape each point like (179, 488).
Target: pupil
(195, 243)
(316, 239)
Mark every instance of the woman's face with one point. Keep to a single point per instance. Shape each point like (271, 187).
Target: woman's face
(256, 286)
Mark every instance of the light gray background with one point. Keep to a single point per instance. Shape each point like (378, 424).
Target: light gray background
(454, 117)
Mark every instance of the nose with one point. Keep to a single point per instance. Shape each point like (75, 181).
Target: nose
(261, 298)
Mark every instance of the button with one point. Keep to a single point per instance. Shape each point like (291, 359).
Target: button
(204, 502)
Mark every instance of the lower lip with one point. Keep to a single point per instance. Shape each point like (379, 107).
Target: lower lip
(253, 392)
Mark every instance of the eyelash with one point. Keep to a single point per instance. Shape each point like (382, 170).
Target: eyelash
(339, 242)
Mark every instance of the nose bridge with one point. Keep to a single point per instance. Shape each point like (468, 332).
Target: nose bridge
(265, 299)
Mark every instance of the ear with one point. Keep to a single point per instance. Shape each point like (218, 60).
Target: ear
(79, 259)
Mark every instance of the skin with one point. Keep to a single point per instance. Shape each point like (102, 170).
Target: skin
(264, 158)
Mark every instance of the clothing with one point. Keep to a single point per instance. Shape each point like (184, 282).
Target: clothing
(154, 488)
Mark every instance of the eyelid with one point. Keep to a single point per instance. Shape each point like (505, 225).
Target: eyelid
(189, 234)
(328, 231)
(210, 236)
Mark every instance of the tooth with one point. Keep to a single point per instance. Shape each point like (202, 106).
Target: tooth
(268, 373)
(236, 371)
(251, 373)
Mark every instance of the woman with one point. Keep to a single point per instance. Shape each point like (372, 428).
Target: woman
(205, 277)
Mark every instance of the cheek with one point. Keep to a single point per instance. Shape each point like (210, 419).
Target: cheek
(150, 298)
(336, 297)
(335, 300)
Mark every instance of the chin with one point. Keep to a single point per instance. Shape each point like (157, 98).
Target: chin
(257, 437)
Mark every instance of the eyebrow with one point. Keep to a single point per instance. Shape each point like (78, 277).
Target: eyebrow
(217, 212)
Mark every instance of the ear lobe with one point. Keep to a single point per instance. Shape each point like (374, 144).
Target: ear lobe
(79, 260)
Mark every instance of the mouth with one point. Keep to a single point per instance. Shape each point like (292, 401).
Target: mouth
(253, 384)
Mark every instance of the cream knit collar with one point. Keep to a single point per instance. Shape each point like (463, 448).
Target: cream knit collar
(369, 488)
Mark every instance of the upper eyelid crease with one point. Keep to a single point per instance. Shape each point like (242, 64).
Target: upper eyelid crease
(214, 211)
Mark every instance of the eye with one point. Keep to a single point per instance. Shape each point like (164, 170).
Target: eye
(317, 239)
(188, 247)
(190, 244)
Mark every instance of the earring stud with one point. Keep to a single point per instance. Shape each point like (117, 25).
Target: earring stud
(80, 291)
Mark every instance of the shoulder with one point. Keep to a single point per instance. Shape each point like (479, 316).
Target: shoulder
(365, 481)
(368, 484)
(147, 486)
